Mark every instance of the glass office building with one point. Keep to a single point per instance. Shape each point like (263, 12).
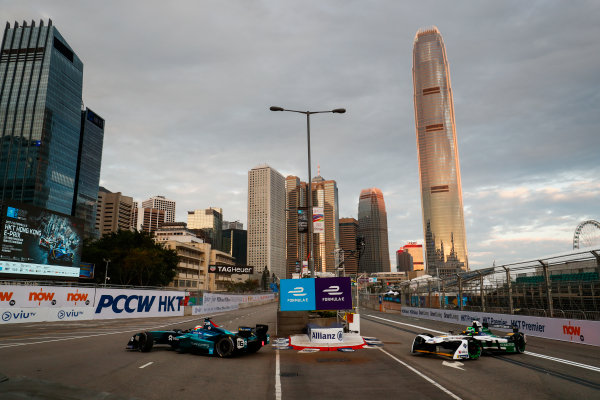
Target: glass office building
(87, 180)
(441, 192)
(372, 228)
(40, 117)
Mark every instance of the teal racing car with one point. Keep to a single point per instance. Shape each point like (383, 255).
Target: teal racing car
(208, 338)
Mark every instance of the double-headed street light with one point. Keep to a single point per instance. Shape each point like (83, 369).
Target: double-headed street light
(311, 264)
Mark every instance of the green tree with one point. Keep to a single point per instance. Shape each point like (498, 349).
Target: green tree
(135, 259)
(264, 282)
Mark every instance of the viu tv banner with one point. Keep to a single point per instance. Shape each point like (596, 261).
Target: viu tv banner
(315, 294)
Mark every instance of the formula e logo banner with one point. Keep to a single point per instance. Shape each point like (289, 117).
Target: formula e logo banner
(297, 294)
(115, 303)
(333, 293)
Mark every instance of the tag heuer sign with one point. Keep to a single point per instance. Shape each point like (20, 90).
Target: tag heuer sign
(230, 269)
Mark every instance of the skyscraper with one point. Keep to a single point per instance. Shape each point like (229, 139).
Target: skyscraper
(266, 220)
(348, 243)
(325, 243)
(41, 82)
(87, 180)
(441, 191)
(161, 203)
(372, 227)
(210, 221)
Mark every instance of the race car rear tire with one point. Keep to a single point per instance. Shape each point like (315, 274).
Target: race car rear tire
(474, 349)
(146, 341)
(253, 347)
(224, 347)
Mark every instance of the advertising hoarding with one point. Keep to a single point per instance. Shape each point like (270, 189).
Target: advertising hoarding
(333, 293)
(117, 303)
(230, 269)
(318, 220)
(297, 294)
(45, 296)
(302, 221)
(35, 241)
(315, 294)
(569, 330)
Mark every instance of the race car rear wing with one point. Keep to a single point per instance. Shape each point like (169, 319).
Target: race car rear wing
(514, 328)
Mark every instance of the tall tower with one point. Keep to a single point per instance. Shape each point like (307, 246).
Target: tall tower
(372, 227)
(266, 220)
(41, 81)
(441, 192)
(87, 180)
(325, 196)
(160, 203)
(348, 236)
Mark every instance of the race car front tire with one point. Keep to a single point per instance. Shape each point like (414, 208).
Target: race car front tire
(225, 346)
(519, 343)
(474, 349)
(418, 342)
(145, 342)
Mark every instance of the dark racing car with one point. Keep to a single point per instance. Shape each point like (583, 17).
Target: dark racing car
(470, 343)
(60, 255)
(207, 338)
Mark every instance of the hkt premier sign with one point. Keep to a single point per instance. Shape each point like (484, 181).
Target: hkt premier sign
(576, 331)
(230, 269)
(315, 294)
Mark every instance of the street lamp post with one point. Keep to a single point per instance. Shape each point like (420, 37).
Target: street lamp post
(311, 264)
(106, 260)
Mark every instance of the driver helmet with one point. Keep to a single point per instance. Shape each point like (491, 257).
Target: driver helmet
(477, 326)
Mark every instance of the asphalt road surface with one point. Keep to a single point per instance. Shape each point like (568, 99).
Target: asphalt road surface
(88, 360)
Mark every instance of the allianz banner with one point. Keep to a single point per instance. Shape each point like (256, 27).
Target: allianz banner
(315, 294)
(117, 303)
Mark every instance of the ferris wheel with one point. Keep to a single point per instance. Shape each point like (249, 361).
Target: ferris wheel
(587, 234)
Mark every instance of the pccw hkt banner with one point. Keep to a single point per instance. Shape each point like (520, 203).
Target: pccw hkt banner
(315, 294)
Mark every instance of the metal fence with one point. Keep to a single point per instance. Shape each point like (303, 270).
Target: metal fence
(566, 286)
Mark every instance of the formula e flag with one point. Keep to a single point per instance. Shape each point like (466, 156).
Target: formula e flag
(297, 294)
(333, 293)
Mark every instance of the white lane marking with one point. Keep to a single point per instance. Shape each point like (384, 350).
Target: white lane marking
(4, 346)
(277, 377)
(145, 365)
(428, 379)
(576, 364)
(560, 360)
(402, 323)
(455, 364)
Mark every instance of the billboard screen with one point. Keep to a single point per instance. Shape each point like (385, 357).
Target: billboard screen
(35, 241)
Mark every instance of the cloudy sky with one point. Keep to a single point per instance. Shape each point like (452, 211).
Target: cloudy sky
(185, 88)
